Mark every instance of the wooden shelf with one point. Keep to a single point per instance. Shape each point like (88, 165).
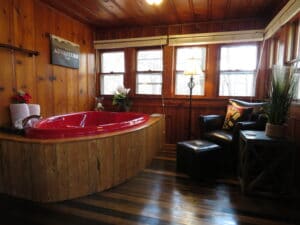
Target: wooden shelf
(26, 51)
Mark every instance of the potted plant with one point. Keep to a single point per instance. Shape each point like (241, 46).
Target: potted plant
(121, 99)
(281, 94)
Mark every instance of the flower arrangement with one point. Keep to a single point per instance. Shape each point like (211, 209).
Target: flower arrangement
(121, 98)
(21, 97)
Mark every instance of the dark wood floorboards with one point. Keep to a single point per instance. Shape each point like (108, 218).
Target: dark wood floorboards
(158, 195)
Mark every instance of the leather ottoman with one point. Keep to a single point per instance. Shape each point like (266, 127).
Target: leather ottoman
(200, 159)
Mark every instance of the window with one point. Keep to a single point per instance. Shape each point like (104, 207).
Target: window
(280, 53)
(297, 96)
(237, 70)
(297, 56)
(297, 40)
(149, 72)
(112, 71)
(184, 55)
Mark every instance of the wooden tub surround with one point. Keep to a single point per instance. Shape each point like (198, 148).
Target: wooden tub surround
(60, 169)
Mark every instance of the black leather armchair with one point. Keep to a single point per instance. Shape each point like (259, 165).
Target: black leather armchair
(211, 130)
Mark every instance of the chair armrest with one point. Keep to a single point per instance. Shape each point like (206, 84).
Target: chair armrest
(245, 125)
(210, 122)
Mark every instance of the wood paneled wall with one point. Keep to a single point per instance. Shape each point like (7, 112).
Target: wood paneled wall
(176, 108)
(57, 89)
(201, 27)
(176, 111)
(281, 36)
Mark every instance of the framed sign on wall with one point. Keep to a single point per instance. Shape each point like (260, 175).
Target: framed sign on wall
(64, 52)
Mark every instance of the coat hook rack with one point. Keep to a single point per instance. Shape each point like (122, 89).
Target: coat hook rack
(26, 51)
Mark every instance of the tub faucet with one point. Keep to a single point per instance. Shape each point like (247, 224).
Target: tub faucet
(28, 118)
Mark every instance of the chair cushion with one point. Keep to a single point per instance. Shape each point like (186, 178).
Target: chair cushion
(235, 114)
(198, 145)
(258, 107)
(219, 136)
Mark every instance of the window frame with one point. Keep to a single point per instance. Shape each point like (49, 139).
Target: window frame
(257, 44)
(175, 71)
(296, 54)
(296, 40)
(297, 68)
(100, 74)
(149, 71)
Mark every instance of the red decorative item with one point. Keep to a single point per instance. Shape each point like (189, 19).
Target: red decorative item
(21, 97)
(84, 124)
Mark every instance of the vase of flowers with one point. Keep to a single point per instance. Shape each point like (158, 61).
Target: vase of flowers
(21, 97)
(19, 108)
(121, 99)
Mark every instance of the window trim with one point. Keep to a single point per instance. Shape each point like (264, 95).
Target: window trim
(149, 71)
(100, 74)
(258, 47)
(175, 71)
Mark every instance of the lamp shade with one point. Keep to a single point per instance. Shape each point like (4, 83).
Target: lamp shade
(154, 2)
(192, 67)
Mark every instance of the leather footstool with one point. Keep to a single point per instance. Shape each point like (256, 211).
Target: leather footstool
(198, 158)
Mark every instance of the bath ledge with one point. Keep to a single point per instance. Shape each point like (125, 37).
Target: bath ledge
(19, 138)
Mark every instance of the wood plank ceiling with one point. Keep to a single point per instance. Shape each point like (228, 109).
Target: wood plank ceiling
(132, 13)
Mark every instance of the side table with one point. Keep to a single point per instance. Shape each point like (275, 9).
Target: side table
(266, 165)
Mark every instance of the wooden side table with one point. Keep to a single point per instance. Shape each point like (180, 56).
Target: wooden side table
(266, 164)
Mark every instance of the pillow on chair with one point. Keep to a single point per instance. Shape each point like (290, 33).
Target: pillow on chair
(235, 114)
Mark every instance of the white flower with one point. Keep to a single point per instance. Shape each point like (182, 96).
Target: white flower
(122, 90)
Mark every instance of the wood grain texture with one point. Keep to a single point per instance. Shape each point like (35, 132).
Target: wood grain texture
(118, 13)
(175, 29)
(56, 171)
(158, 195)
(57, 89)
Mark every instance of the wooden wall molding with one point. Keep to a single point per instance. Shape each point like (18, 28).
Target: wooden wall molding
(178, 29)
(130, 42)
(285, 14)
(182, 40)
(216, 38)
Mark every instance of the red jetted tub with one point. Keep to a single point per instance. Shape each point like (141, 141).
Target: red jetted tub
(85, 123)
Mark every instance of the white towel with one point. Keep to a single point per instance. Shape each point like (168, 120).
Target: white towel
(34, 109)
(18, 112)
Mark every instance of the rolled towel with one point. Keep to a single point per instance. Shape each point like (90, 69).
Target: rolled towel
(34, 109)
(18, 112)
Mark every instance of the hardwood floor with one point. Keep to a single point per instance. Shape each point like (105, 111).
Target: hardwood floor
(158, 195)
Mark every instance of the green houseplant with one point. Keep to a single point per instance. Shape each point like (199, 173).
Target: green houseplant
(281, 94)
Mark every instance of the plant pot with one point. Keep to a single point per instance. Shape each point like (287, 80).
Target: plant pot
(275, 131)
(123, 108)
